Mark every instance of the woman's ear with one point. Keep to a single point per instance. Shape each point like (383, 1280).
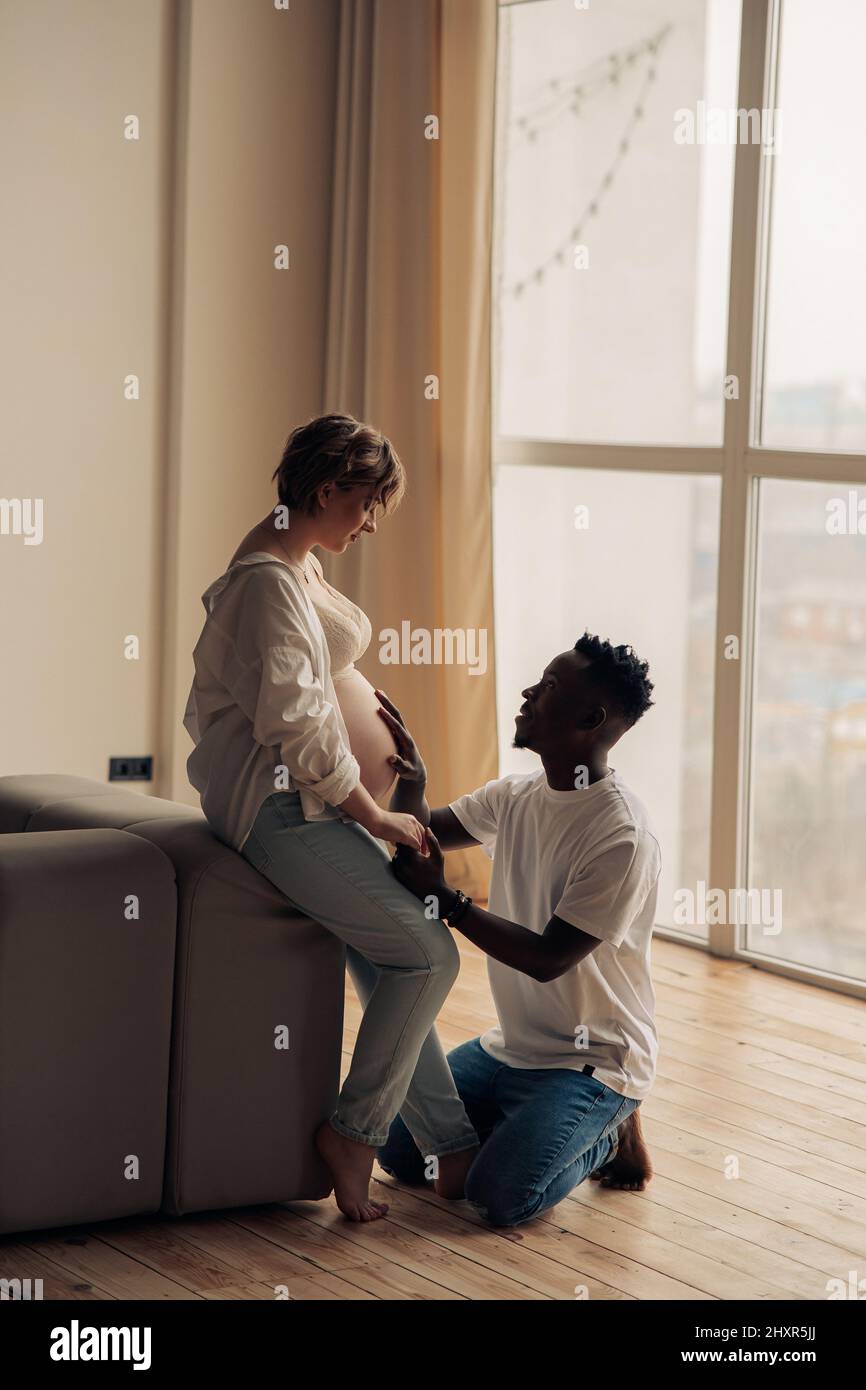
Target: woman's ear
(324, 494)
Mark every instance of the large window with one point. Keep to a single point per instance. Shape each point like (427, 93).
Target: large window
(559, 522)
(808, 766)
(814, 360)
(614, 242)
(680, 425)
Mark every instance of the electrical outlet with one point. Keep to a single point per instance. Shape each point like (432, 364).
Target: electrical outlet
(130, 769)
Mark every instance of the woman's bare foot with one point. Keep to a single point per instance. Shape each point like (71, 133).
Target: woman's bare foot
(453, 1168)
(351, 1165)
(631, 1169)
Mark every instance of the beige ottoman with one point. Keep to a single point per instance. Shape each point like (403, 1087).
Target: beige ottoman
(87, 946)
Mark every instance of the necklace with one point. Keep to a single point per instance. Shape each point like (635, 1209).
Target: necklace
(294, 563)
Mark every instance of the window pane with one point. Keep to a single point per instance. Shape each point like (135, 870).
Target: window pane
(815, 328)
(642, 570)
(808, 781)
(623, 342)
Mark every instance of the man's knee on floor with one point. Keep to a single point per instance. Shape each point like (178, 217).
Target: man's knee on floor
(499, 1203)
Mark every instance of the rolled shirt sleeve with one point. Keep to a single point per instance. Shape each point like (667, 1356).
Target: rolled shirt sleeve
(291, 710)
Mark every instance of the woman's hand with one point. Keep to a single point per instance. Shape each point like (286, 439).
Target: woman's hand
(407, 761)
(401, 829)
(398, 827)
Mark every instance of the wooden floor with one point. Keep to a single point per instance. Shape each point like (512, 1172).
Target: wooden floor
(756, 1072)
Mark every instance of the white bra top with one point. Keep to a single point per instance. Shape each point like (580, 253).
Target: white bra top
(346, 626)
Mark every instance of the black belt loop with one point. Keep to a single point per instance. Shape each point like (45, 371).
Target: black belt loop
(588, 1070)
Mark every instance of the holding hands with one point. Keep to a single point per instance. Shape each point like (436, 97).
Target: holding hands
(424, 875)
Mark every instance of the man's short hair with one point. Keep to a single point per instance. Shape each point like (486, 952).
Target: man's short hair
(620, 675)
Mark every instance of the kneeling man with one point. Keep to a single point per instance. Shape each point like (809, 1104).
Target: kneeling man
(553, 1090)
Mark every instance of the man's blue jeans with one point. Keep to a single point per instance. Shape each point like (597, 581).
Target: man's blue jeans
(541, 1132)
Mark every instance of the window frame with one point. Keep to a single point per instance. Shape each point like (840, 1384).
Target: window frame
(740, 462)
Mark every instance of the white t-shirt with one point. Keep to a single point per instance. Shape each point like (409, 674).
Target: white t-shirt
(589, 857)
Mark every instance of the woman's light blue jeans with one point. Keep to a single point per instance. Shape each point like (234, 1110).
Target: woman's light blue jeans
(403, 965)
(542, 1131)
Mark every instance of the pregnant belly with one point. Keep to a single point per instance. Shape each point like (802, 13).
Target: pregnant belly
(369, 737)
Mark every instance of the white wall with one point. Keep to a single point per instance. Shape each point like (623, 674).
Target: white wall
(80, 305)
(155, 257)
(250, 340)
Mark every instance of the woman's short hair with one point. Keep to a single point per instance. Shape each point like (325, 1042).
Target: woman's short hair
(338, 449)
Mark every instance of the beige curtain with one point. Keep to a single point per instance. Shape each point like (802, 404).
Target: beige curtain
(410, 300)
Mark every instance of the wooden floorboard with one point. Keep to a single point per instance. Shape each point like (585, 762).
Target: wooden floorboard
(757, 1129)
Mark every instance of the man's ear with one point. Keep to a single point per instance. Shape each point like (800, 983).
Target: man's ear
(596, 718)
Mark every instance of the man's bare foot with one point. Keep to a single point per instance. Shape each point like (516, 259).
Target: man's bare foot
(351, 1165)
(453, 1168)
(631, 1169)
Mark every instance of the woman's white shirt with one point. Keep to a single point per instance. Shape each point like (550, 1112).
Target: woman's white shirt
(262, 711)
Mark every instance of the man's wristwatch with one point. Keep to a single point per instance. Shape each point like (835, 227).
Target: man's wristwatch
(460, 908)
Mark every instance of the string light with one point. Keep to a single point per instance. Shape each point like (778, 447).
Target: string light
(589, 83)
(558, 255)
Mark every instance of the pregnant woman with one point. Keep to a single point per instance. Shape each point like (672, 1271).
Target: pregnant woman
(293, 752)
